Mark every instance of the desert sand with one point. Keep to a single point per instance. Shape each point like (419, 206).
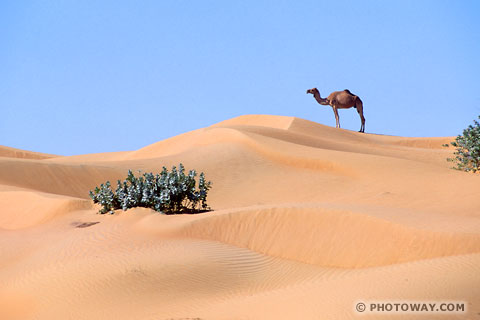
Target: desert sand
(307, 220)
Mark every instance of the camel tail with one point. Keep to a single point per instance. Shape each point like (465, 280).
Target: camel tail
(358, 102)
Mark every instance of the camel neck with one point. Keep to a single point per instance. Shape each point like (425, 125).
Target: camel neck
(317, 97)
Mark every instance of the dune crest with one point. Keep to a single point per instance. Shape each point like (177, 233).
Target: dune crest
(330, 238)
(9, 152)
(23, 209)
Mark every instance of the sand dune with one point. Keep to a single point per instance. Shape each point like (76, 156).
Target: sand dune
(9, 152)
(307, 220)
(22, 209)
(336, 238)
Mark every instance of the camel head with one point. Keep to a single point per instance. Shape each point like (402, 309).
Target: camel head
(317, 96)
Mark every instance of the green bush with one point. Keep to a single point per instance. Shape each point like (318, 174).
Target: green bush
(467, 153)
(169, 192)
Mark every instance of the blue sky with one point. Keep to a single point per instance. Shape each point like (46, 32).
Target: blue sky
(98, 76)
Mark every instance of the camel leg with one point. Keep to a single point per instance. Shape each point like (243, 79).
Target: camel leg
(337, 118)
(359, 106)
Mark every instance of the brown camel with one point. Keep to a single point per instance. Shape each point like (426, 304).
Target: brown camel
(340, 100)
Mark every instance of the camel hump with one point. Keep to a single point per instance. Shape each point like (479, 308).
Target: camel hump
(356, 97)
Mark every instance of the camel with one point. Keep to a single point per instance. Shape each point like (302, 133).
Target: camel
(341, 100)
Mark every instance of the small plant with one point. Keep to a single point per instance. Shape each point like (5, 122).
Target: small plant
(169, 192)
(467, 153)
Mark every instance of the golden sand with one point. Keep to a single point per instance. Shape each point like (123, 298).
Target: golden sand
(307, 220)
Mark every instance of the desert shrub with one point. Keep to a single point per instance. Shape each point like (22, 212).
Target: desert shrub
(467, 153)
(169, 192)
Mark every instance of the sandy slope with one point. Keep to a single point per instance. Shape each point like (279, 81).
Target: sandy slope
(307, 220)
(9, 152)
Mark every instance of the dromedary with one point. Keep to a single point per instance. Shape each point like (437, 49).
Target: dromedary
(340, 100)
